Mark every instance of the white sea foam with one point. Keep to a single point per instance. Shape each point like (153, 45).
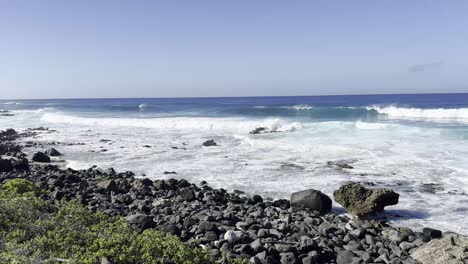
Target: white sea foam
(389, 153)
(435, 113)
(178, 123)
(371, 126)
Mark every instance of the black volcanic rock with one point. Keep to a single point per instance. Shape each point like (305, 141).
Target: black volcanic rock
(41, 157)
(5, 165)
(209, 143)
(311, 199)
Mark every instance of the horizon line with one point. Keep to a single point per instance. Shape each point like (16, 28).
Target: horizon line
(214, 97)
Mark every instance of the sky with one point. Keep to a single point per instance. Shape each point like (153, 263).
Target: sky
(91, 49)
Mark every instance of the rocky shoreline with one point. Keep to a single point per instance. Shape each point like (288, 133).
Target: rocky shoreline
(235, 225)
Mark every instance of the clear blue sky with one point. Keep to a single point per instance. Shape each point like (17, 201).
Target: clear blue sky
(57, 49)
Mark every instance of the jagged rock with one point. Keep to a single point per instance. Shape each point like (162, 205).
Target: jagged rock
(209, 143)
(53, 152)
(108, 185)
(311, 199)
(360, 201)
(452, 248)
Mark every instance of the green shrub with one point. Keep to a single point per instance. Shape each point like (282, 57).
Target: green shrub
(35, 231)
(19, 188)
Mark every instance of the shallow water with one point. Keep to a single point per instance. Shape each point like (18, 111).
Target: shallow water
(416, 145)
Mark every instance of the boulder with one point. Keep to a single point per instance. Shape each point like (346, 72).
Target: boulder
(432, 233)
(233, 236)
(311, 199)
(108, 185)
(361, 202)
(209, 143)
(141, 221)
(41, 157)
(53, 152)
(452, 248)
(5, 165)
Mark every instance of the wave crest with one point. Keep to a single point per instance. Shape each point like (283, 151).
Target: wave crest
(241, 125)
(433, 113)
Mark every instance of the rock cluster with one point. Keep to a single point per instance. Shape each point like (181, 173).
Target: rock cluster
(228, 224)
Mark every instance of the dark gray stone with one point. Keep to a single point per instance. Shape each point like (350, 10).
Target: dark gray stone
(41, 157)
(141, 221)
(311, 199)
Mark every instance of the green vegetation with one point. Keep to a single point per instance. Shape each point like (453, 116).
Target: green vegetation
(35, 231)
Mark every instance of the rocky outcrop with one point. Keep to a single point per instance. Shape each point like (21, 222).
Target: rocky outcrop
(311, 199)
(361, 202)
(41, 157)
(451, 249)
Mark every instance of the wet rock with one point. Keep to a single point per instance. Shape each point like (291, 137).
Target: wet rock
(257, 130)
(451, 248)
(209, 143)
(53, 152)
(41, 157)
(311, 199)
(361, 201)
(432, 233)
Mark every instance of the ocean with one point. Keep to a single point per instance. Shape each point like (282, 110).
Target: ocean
(416, 145)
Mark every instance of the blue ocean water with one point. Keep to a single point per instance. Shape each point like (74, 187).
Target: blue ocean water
(414, 144)
(349, 107)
